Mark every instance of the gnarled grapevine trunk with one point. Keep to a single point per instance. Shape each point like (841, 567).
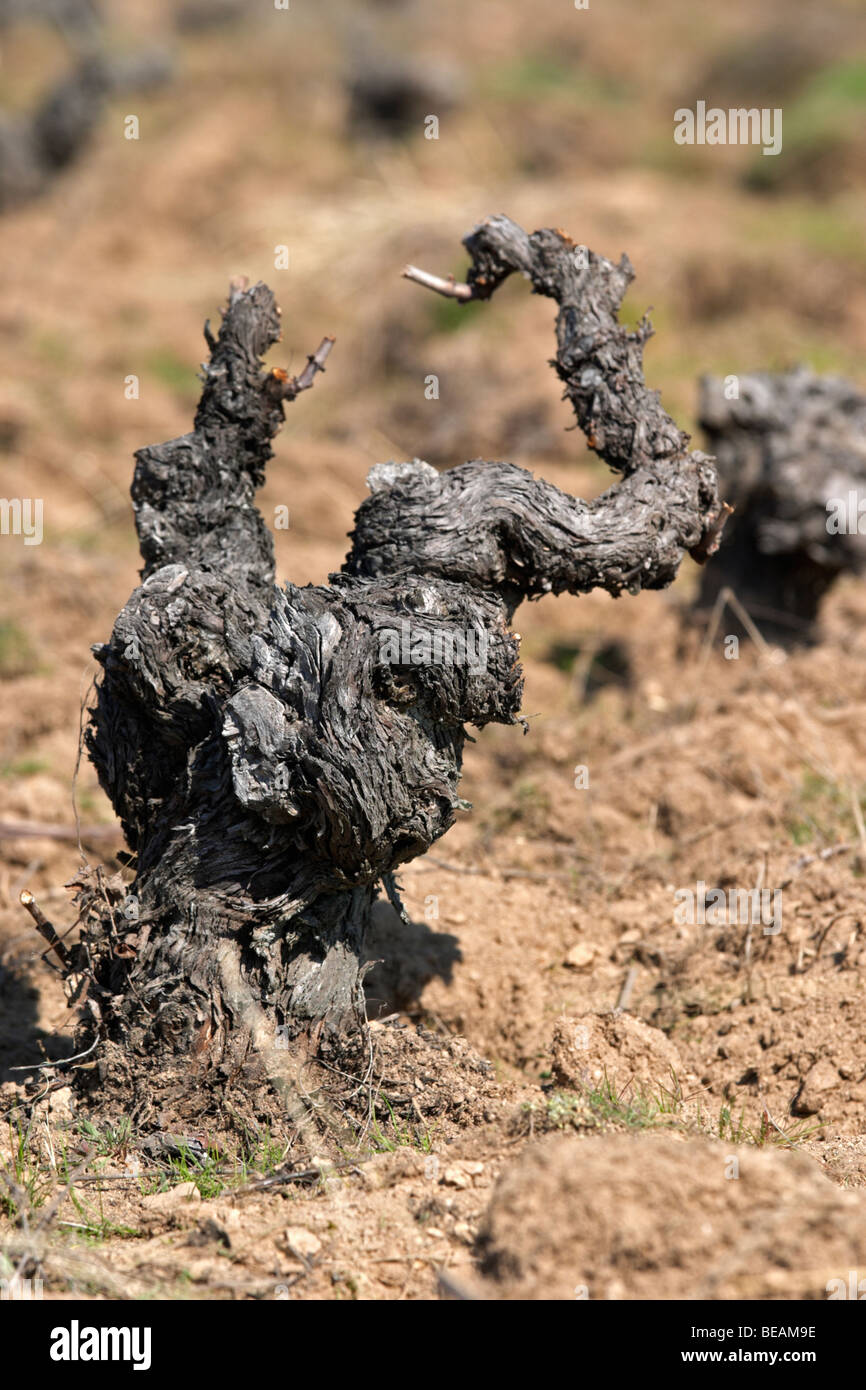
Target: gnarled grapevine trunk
(276, 754)
(791, 450)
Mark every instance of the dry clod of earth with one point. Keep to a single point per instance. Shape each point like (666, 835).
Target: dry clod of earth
(615, 1216)
(301, 1242)
(386, 1170)
(818, 1083)
(441, 1078)
(580, 957)
(615, 1047)
(183, 1195)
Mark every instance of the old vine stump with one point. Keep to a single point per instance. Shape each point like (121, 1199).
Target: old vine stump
(274, 757)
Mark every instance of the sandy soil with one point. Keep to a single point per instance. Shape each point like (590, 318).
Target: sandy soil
(518, 1133)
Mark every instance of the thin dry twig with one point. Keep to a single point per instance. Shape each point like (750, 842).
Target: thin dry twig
(44, 927)
(625, 993)
(447, 286)
(284, 387)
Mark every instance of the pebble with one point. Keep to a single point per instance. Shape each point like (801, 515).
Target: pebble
(302, 1241)
(580, 957)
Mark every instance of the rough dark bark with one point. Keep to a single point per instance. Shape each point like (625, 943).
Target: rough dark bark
(786, 447)
(276, 754)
